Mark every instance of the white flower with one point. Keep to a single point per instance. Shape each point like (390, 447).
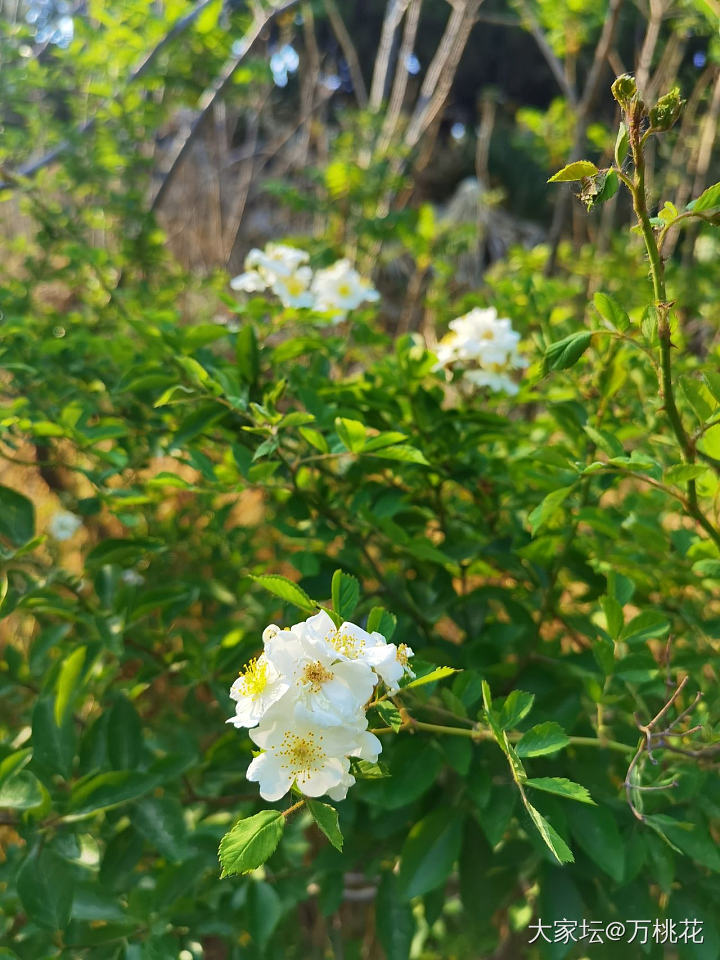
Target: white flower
(314, 758)
(485, 343)
(249, 282)
(494, 379)
(340, 288)
(257, 688)
(349, 642)
(294, 290)
(276, 260)
(64, 525)
(331, 691)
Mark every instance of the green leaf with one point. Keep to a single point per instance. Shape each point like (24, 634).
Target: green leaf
(562, 787)
(614, 616)
(45, 885)
(566, 352)
(402, 452)
(66, 682)
(699, 396)
(286, 590)
(345, 593)
(160, 820)
(682, 472)
(394, 920)
(439, 673)
(597, 834)
(574, 171)
(390, 714)
(101, 791)
(17, 516)
(314, 438)
(383, 440)
(326, 817)
(121, 551)
(543, 738)
(622, 145)
(648, 625)
(707, 568)
(611, 311)
(246, 354)
(516, 706)
(250, 842)
(381, 621)
(124, 735)
(708, 199)
(264, 909)
(548, 508)
(53, 745)
(21, 791)
(428, 854)
(556, 844)
(351, 432)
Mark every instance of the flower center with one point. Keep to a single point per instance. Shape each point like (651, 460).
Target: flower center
(346, 644)
(487, 335)
(315, 675)
(301, 755)
(294, 286)
(402, 654)
(344, 290)
(255, 677)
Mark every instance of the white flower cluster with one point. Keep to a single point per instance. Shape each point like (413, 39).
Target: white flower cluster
(488, 345)
(304, 699)
(334, 290)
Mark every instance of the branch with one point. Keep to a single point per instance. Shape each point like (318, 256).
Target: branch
(212, 94)
(348, 49)
(440, 75)
(394, 13)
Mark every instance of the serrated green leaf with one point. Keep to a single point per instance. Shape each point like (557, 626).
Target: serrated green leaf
(381, 621)
(610, 310)
(286, 590)
(351, 432)
(438, 674)
(562, 787)
(566, 352)
(516, 706)
(543, 738)
(326, 817)
(345, 594)
(402, 452)
(556, 844)
(708, 199)
(390, 714)
(574, 171)
(251, 842)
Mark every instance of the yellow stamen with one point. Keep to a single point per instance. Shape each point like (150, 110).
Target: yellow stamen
(255, 677)
(315, 675)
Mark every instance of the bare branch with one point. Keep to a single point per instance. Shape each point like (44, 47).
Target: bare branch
(349, 51)
(394, 13)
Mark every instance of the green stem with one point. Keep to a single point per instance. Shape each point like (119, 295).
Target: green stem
(481, 734)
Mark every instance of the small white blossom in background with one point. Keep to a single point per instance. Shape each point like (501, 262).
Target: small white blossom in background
(132, 578)
(304, 699)
(283, 270)
(485, 347)
(63, 525)
(340, 288)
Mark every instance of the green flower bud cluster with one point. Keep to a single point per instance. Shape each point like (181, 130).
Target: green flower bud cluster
(667, 110)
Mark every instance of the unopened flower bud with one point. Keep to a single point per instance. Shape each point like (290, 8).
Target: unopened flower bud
(624, 89)
(666, 111)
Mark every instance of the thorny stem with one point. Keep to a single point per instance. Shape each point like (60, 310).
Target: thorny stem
(663, 307)
(290, 810)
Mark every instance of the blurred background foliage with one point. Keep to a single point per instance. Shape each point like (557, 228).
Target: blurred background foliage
(144, 149)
